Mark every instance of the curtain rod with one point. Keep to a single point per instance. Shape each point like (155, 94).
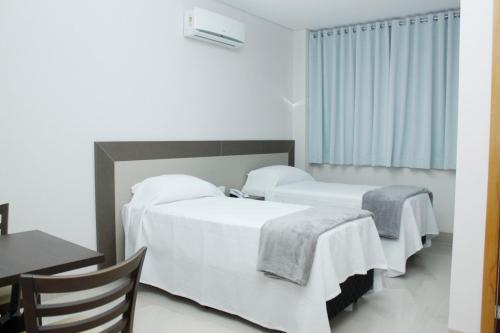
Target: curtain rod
(422, 18)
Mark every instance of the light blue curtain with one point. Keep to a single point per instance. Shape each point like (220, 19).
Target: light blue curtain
(385, 94)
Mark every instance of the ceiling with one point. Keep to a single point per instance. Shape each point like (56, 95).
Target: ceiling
(315, 14)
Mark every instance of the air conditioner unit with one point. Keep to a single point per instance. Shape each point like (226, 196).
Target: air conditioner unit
(214, 28)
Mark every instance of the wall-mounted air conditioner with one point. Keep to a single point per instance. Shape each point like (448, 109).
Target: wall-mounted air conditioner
(214, 28)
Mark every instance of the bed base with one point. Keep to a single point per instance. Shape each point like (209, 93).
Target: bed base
(352, 289)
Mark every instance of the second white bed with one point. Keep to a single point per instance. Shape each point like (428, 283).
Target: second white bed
(206, 250)
(417, 219)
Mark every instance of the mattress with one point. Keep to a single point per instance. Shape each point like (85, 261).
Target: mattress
(206, 250)
(417, 219)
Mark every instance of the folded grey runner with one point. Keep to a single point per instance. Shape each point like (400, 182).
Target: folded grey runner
(386, 204)
(288, 244)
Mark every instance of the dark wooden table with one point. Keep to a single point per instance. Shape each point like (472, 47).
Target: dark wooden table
(35, 252)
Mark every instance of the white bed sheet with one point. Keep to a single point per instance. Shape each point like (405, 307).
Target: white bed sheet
(417, 219)
(206, 250)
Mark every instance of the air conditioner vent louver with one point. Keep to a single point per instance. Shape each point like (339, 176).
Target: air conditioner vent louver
(222, 36)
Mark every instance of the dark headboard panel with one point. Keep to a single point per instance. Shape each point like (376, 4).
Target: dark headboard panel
(172, 156)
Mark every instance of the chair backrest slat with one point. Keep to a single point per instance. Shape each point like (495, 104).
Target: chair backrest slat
(126, 274)
(67, 284)
(4, 221)
(89, 323)
(51, 310)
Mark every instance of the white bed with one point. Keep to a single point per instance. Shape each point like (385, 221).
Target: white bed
(291, 185)
(206, 250)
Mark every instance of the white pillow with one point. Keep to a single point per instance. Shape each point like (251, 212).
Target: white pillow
(170, 188)
(261, 181)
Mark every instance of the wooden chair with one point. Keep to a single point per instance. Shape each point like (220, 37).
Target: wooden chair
(5, 292)
(119, 317)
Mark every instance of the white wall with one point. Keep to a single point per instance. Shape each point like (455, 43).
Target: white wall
(73, 72)
(472, 167)
(441, 183)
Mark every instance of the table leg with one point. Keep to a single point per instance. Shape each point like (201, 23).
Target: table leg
(14, 320)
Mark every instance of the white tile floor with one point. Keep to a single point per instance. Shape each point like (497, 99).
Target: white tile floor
(417, 302)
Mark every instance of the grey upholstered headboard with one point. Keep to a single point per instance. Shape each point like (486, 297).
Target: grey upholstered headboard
(119, 165)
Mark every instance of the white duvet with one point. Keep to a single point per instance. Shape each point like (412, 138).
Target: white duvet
(206, 250)
(417, 219)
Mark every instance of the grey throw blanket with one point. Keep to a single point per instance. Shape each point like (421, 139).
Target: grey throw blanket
(288, 244)
(386, 204)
